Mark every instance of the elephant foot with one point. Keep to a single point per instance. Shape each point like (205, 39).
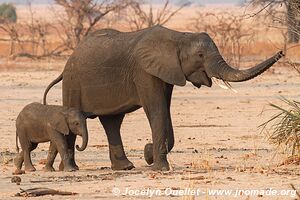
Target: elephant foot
(148, 153)
(30, 168)
(18, 172)
(76, 167)
(73, 164)
(62, 168)
(122, 165)
(48, 168)
(18, 162)
(161, 166)
(69, 169)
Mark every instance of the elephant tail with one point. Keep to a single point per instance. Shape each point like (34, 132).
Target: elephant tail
(59, 78)
(17, 147)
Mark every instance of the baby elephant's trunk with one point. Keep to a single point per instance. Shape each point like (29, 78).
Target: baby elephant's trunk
(84, 140)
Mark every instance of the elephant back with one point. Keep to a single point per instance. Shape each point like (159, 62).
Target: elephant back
(101, 60)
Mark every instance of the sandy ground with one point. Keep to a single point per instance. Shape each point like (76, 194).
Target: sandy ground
(218, 144)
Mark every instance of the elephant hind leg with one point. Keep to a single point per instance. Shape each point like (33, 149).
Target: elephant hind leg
(24, 156)
(27, 159)
(112, 125)
(19, 159)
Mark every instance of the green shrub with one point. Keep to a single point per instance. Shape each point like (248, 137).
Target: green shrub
(8, 13)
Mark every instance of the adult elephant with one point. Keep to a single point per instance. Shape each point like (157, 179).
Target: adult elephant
(112, 73)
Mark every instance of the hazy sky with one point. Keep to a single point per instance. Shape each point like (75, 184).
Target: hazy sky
(154, 1)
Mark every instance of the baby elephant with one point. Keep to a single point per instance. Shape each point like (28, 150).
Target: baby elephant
(39, 123)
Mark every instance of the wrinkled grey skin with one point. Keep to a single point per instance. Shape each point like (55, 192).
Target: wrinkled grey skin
(39, 123)
(112, 73)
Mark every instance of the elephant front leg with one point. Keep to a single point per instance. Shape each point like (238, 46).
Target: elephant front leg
(65, 159)
(71, 98)
(112, 125)
(71, 149)
(162, 134)
(71, 138)
(148, 150)
(156, 100)
(51, 157)
(61, 144)
(160, 146)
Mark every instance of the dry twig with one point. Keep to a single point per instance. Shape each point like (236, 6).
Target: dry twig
(40, 191)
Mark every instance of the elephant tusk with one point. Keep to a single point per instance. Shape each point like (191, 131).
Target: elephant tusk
(224, 84)
(229, 86)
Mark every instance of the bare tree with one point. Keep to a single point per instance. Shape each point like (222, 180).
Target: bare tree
(8, 19)
(292, 16)
(140, 17)
(31, 38)
(34, 38)
(11, 29)
(83, 15)
(227, 30)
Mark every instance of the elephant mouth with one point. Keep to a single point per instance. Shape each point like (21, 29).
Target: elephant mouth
(200, 78)
(198, 85)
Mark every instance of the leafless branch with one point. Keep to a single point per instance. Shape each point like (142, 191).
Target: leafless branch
(79, 12)
(139, 18)
(227, 30)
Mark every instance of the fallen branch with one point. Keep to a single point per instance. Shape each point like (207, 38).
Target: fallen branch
(35, 192)
(294, 188)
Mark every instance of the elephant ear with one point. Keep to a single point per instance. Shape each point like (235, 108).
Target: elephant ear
(59, 123)
(157, 53)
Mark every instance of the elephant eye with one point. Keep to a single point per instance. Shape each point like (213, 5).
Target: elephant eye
(200, 55)
(76, 123)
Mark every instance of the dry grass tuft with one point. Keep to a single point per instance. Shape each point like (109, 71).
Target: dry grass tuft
(285, 127)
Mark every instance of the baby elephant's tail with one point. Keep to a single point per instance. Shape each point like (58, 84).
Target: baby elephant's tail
(17, 147)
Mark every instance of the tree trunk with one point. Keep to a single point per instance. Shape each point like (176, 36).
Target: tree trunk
(293, 20)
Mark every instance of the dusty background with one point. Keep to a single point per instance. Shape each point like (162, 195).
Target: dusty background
(218, 144)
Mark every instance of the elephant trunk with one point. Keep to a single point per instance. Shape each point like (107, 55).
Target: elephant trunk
(84, 136)
(222, 70)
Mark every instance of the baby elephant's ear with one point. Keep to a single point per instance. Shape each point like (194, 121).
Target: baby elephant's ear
(59, 123)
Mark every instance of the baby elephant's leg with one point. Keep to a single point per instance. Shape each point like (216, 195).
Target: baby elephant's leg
(61, 166)
(62, 147)
(51, 157)
(18, 161)
(27, 147)
(70, 141)
(27, 160)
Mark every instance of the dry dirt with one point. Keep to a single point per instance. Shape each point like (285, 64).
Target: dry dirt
(218, 144)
